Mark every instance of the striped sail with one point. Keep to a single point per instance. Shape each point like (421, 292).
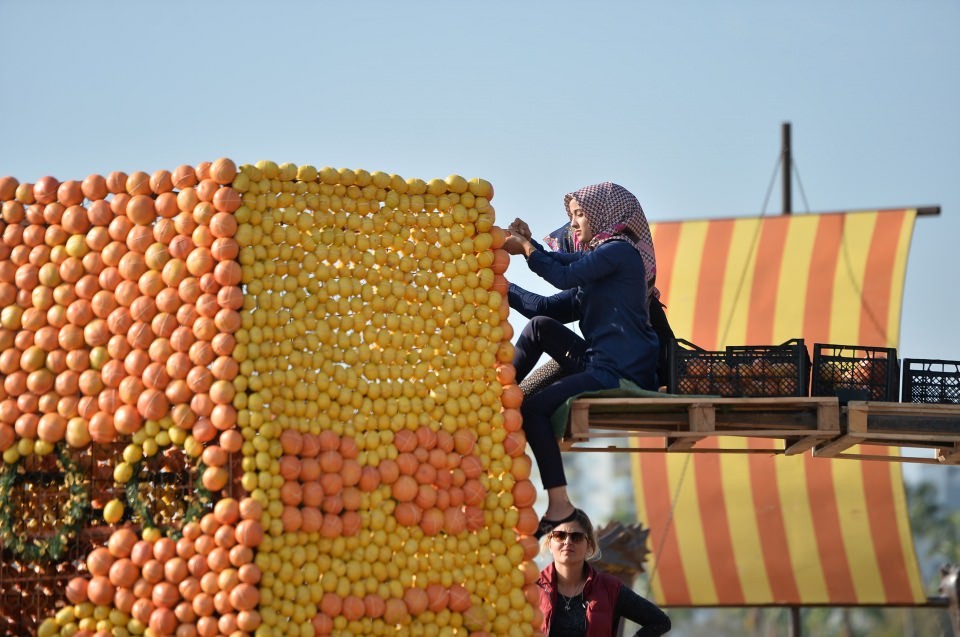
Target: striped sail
(730, 529)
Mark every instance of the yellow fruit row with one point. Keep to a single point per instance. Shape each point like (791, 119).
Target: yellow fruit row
(374, 331)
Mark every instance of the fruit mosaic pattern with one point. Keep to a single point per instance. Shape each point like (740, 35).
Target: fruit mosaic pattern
(261, 400)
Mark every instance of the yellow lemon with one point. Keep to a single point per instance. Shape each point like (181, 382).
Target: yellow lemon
(268, 169)
(113, 511)
(65, 615)
(416, 186)
(150, 447)
(436, 187)
(24, 447)
(123, 472)
(287, 171)
(49, 628)
(481, 188)
(457, 184)
(306, 173)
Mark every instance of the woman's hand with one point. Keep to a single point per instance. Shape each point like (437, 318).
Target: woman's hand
(519, 228)
(514, 244)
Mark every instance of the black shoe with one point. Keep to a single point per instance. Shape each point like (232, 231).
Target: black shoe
(546, 525)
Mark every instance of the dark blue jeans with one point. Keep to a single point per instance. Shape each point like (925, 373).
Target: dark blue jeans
(543, 335)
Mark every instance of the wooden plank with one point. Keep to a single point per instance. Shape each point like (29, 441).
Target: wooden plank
(816, 424)
(579, 420)
(883, 458)
(832, 448)
(828, 422)
(607, 430)
(828, 416)
(702, 421)
(682, 444)
(796, 447)
(684, 421)
(796, 413)
(615, 449)
(912, 418)
(949, 455)
(911, 425)
(856, 424)
(909, 409)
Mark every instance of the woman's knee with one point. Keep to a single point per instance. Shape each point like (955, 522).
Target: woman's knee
(543, 326)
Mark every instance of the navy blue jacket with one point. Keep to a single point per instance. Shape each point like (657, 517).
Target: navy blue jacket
(599, 288)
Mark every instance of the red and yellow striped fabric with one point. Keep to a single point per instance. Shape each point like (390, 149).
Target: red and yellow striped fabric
(752, 529)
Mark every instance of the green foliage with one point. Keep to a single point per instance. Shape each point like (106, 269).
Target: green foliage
(201, 502)
(69, 520)
(936, 531)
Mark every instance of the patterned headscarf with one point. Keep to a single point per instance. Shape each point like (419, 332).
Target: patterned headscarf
(614, 213)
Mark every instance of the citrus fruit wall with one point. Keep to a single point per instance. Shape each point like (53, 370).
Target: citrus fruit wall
(323, 353)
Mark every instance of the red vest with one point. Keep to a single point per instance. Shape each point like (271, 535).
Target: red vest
(600, 592)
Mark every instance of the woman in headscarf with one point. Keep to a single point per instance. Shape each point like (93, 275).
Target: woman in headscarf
(563, 240)
(599, 288)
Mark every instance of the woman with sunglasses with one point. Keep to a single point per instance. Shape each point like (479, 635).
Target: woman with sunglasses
(598, 288)
(577, 600)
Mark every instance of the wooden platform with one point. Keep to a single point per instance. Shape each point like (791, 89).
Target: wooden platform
(817, 424)
(934, 429)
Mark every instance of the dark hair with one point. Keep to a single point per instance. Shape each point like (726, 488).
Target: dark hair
(580, 517)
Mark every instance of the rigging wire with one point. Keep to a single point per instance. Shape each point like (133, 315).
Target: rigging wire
(754, 242)
(773, 180)
(803, 195)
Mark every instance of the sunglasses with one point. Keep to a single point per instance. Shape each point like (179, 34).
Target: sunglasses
(562, 536)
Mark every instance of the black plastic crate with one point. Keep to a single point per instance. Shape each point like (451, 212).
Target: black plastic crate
(740, 370)
(930, 381)
(856, 372)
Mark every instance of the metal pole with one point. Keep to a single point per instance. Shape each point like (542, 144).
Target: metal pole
(786, 166)
(796, 624)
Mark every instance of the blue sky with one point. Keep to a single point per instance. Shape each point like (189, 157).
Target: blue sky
(681, 102)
